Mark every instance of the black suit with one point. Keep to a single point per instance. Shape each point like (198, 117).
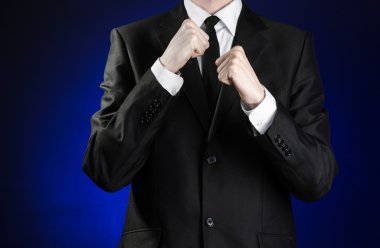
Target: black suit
(182, 173)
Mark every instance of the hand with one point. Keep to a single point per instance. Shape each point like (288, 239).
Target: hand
(233, 68)
(190, 41)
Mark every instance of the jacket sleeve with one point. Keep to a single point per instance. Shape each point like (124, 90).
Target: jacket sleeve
(131, 112)
(298, 141)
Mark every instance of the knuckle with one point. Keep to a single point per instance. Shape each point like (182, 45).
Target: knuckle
(234, 61)
(237, 51)
(234, 54)
(187, 23)
(191, 33)
(232, 69)
(220, 77)
(193, 38)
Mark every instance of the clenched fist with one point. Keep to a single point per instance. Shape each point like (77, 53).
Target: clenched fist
(190, 41)
(234, 69)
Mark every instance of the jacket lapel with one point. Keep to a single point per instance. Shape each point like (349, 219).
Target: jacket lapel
(190, 72)
(253, 42)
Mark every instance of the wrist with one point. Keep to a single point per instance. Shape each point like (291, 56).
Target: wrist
(252, 102)
(167, 66)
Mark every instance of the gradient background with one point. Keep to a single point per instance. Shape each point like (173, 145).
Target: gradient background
(52, 61)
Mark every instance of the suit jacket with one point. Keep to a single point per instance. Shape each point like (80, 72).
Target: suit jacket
(210, 183)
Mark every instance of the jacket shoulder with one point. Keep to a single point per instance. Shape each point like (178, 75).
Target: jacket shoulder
(141, 26)
(281, 27)
(284, 35)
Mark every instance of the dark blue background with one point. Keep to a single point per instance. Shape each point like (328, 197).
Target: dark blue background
(53, 57)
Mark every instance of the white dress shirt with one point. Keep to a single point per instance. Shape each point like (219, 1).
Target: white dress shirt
(261, 117)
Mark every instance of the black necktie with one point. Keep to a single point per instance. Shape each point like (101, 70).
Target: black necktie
(210, 77)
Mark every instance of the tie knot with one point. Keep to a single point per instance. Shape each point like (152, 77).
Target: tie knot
(211, 21)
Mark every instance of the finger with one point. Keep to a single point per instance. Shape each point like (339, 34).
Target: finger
(203, 33)
(222, 58)
(232, 72)
(231, 59)
(243, 56)
(196, 52)
(188, 23)
(199, 29)
(194, 33)
(191, 25)
(199, 48)
(197, 45)
(229, 75)
(203, 44)
(222, 76)
(247, 67)
(225, 63)
(202, 38)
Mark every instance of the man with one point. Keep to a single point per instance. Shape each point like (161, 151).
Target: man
(215, 115)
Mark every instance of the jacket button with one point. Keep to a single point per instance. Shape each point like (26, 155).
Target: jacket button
(288, 152)
(277, 137)
(284, 147)
(210, 222)
(156, 103)
(211, 160)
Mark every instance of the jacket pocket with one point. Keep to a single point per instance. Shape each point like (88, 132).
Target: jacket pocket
(141, 238)
(270, 240)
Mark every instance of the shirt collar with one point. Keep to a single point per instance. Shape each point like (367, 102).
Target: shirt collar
(228, 15)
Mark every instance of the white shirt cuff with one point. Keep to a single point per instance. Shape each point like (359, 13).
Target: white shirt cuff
(262, 116)
(170, 81)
